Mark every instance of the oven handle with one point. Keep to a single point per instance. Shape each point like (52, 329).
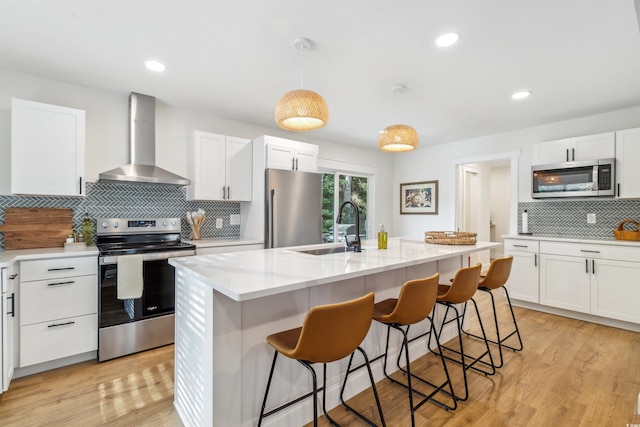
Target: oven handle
(109, 260)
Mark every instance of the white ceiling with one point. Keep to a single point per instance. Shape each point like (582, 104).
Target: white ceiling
(235, 58)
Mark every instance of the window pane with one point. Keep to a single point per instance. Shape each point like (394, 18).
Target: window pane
(353, 188)
(328, 211)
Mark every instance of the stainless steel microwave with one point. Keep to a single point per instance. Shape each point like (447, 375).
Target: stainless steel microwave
(574, 179)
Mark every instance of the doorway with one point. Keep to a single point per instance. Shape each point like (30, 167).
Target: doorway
(486, 202)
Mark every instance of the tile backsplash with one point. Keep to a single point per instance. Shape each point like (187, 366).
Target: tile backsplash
(104, 200)
(568, 218)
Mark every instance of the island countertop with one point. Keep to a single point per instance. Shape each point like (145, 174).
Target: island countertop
(244, 276)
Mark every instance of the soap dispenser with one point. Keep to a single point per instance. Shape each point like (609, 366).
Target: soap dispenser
(382, 238)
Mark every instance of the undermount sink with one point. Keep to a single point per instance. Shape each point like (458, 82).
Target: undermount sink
(326, 251)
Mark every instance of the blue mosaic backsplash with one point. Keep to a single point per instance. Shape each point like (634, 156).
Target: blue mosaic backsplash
(568, 218)
(107, 200)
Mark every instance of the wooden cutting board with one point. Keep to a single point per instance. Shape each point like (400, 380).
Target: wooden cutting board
(27, 228)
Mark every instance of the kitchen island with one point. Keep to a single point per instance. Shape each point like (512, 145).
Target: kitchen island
(227, 304)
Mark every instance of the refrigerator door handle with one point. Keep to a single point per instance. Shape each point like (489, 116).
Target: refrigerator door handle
(272, 222)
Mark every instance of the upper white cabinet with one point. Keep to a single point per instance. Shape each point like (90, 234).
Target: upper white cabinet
(590, 147)
(294, 155)
(47, 149)
(627, 161)
(220, 167)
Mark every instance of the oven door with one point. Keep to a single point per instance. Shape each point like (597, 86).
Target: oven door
(158, 296)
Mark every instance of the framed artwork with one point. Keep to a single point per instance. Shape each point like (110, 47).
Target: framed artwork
(419, 198)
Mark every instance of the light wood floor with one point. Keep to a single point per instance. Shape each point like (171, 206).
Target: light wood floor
(571, 373)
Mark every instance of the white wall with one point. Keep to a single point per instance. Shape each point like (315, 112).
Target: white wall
(107, 145)
(499, 199)
(438, 163)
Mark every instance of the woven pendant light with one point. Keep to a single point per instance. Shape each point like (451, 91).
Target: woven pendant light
(301, 110)
(398, 138)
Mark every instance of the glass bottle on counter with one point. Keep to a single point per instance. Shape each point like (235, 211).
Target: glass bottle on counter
(382, 238)
(87, 229)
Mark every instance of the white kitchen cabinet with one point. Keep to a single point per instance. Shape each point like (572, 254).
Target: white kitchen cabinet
(565, 282)
(8, 325)
(615, 290)
(220, 167)
(58, 308)
(47, 149)
(523, 279)
(590, 147)
(603, 280)
(294, 155)
(627, 161)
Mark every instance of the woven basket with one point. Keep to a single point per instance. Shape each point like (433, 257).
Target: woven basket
(450, 237)
(622, 234)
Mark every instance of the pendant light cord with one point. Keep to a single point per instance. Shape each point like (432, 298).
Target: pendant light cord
(301, 67)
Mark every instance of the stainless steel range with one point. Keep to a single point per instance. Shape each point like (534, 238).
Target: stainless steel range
(129, 325)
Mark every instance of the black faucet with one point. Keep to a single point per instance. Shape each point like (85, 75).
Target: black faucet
(355, 244)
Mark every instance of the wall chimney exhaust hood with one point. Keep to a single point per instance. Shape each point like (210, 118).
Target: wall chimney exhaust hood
(142, 143)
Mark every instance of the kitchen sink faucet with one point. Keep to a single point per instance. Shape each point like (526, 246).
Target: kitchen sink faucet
(356, 244)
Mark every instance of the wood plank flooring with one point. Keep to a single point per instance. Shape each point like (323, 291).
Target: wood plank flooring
(571, 373)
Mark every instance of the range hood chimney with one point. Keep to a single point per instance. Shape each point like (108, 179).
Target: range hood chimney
(142, 143)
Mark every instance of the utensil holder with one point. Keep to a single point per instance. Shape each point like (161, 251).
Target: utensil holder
(195, 228)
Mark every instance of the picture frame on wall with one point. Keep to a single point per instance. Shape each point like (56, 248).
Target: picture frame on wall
(419, 198)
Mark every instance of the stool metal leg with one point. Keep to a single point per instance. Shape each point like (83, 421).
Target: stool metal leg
(266, 393)
(373, 386)
(500, 341)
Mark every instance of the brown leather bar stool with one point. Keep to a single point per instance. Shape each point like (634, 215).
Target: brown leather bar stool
(496, 278)
(416, 300)
(461, 290)
(329, 333)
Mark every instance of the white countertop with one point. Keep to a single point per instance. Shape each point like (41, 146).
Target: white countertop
(254, 274)
(8, 257)
(212, 243)
(591, 240)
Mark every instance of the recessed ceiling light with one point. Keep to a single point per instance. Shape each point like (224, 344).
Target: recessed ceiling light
(155, 66)
(448, 39)
(521, 94)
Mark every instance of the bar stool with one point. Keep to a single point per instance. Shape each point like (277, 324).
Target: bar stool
(461, 290)
(496, 278)
(329, 333)
(416, 300)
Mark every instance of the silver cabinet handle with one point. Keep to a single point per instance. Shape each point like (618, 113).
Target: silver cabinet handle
(55, 325)
(293, 163)
(589, 252)
(593, 266)
(70, 282)
(296, 163)
(520, 246)
(586, 266)
(535, 260)
(61, 269)
(13, 305)
(13, 276)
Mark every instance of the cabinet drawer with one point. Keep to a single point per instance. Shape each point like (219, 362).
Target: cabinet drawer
(42, 342)
(591, 250)
(43, 269)
(52, 299)
(516, 245)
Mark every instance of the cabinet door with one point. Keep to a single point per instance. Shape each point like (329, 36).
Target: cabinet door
(615, 289)
(239, 165)
(523, 279)
(307, 160)
(8, 325)
(207, 167)
(565, 282)
(552, 152)
(47, 149)
(590, 147)
(280, 157)
(627, 161)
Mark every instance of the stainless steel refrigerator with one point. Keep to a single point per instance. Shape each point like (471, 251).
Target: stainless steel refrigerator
(293, 208)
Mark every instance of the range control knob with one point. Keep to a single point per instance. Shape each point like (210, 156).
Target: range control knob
(115, 224)
(164, 223)
(173, 223)
(105, 224)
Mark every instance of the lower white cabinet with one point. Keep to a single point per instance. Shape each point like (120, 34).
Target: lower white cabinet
(615, 290)
(603, 280)
(523, 279)
(58, 308)
(8, 325)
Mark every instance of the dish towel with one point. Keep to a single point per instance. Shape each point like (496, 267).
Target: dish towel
(129, 276)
